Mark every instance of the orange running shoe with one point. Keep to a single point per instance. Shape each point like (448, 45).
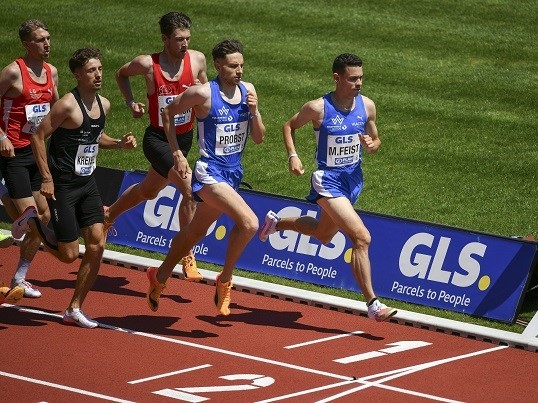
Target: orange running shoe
(10, 295)
(190, 270)
(154, 290)
(222, 296)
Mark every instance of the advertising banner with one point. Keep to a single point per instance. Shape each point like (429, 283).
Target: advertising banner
(422, 263)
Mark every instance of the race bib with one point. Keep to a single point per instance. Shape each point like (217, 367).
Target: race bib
(343, 150)
(179, 119)
(34, 115)
(230, 138)
(86, 159)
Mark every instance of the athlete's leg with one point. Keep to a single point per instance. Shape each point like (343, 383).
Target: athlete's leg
(322, 228)
(342, 213)
(89, 265)
(28, 249)
(224, 198)
(186, 238)
(148, 189)
(187, 205)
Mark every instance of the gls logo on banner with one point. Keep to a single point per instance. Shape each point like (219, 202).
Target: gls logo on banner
(163, 210)
(430, 266)
(295, 242)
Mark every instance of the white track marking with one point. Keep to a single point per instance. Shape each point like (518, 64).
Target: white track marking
(199, 346)
(364, 380)
(181, 371)
(389, 376)
(63, 387)
(307, 343)
(398, 347)
(409, 370)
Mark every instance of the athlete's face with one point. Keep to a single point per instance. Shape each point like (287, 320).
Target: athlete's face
(90, 75)
(38, 44)
(350, 81)
(230, 68)
(177, 43)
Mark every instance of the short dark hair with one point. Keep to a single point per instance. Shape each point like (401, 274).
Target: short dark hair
(172, 21)
(226, 47)
(81, 57)
(29, 26)
(344, 60)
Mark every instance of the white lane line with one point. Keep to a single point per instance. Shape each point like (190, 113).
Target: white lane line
(407, 371)
(389, 376)
(181, 371)
(63, 387)
(307, 343)
(199, 346)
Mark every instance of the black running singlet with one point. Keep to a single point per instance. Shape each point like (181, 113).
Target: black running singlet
(73, 152)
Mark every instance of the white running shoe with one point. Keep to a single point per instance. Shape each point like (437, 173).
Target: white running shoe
(20, 226)
(269, 226)
(29, 290)
(380, 312)
(77, 317)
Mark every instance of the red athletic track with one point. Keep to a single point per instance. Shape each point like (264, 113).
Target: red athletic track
(243, 357)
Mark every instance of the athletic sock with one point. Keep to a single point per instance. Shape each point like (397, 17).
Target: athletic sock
(371, 302)
(22, 269)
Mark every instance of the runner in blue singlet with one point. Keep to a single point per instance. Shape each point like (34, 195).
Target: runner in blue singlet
(344, 122)
(227, 112)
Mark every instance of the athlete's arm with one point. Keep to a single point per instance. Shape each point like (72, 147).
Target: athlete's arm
(195, 97)
(127, 142)
(198, 61)
(370, 141)
(8, 77)
(312, 111)
(257, 128)
(55, 81)
(59, 113)
(140, 65)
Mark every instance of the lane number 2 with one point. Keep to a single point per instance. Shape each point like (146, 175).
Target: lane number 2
(191, 394)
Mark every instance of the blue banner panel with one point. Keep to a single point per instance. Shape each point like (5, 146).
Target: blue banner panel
(422, 263)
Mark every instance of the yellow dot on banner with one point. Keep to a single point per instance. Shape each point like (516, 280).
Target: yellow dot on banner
(347, 256)
(220, 232)
(483, 283)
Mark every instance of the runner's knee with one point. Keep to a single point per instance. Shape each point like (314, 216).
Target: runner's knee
(361, 239)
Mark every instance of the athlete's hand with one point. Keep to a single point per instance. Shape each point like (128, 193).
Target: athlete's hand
(296, 166)
(252, 103)
(367, 142)
(181, 165)
(128, 141)
(47, 190)
(6, 148)
(138, 109)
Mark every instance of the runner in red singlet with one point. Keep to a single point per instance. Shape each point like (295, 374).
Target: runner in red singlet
(28, 89)
(167, 74)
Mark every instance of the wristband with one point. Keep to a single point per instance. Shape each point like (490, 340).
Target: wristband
(2, 138)
(292, 155)
(46, 181)
(253, 115)
(129, 103)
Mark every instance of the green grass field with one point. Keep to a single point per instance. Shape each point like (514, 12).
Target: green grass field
(455, 85)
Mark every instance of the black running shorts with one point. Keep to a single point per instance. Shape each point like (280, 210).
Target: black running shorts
(78, 205)
(158, 152)
(21, 174)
